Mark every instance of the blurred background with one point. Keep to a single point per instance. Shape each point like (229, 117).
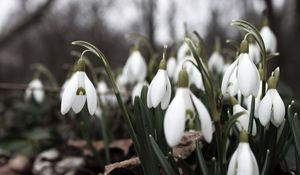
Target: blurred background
(42, 30)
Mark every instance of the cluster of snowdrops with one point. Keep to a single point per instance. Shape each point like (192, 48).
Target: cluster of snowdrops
(188, 93)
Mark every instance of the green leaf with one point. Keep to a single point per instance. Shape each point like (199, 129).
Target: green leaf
(200, 159)
(163, 161)
(294, 124)
(228, 126)
(249, 28)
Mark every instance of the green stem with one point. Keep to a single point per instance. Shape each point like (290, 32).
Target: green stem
(116, 91)
(219, 146)
(105, 138)
(252, 110)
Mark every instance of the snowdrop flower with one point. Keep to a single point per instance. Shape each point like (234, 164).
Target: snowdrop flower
(243, 120)
(246, 74)
(135, 68)
(254, 51)
(159, 91)
(271, 106)
(243, 161)
(171, 67)
(268, 37)
(180, 108)
(137, 90)
(182, 51)
(78, 90)
(216, 62)
(35, 90)
(247, 101)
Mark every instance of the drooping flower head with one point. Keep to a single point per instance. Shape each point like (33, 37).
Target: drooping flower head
(159, 91)
(243, 161)
(268, 36)
(78, 90)
(35, 90)
(171, 67)
(135, 68)
(245, 72)
(216, 60)
(185, 104)
(271, 107)
(254, 51)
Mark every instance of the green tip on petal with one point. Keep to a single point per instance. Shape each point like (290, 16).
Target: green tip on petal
(80, 91)
(233, 101)
(183, 78)
(244, 46)
(81, 65)
(244, 136)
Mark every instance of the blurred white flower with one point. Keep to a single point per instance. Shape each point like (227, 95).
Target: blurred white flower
(135, 68)
(35, 90)
(177, 112)
(271, 108)
(243, 161)
(269, 39)
(246, 74)
(171, 67)
(137, 90)
(243, 120)
(103, 91)
(98, 112)
(159, 91)
(216, 62)
(77, 91)
(182, 51)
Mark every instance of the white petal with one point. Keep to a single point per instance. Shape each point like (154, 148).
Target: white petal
(216, 62)
(247, 76)
(245, 160)
(63, 87)
(232, 88)
(171, 67)
(91, 95)
(167, 97)
(38, 92)
(174, 121)
(78, 103)
(269, 39)
(205, 119)
(69, 94)
(158, 88)
(226, 77)
(265, 109)
(149, 104)
(182, 52)
(233, 164)
(138, 66)
(278, 108)
(254, 52)
(195, 77)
